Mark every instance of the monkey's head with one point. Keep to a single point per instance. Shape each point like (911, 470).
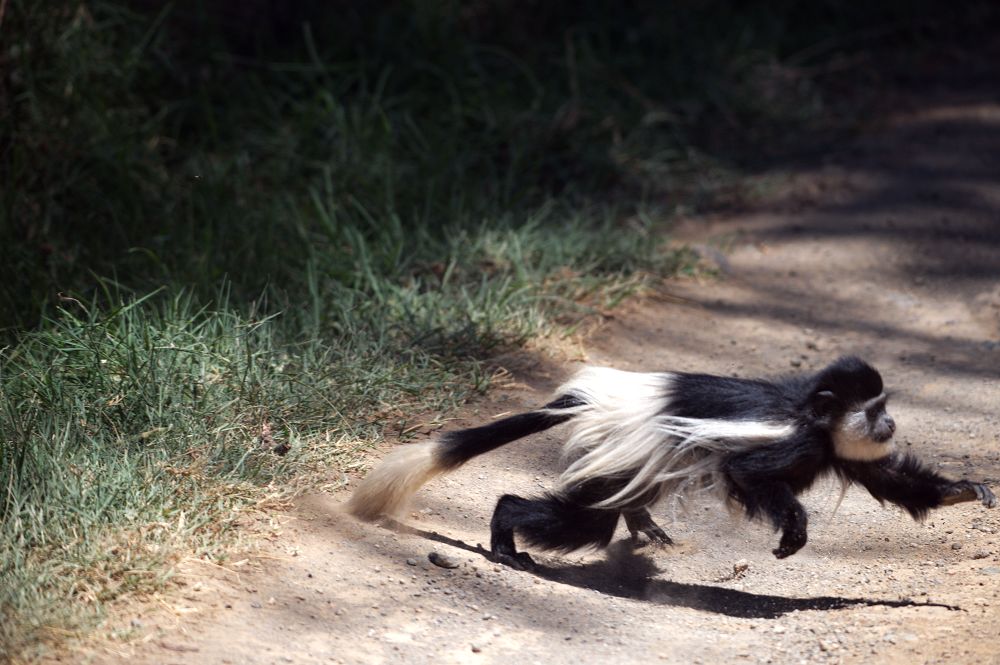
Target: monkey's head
(849, 400)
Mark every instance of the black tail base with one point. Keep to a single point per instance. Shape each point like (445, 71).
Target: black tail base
(460, 446)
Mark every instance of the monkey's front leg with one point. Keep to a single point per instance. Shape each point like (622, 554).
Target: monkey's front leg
(777, 502)
(790, 516)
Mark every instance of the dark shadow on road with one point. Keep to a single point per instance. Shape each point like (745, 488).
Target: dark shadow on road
(627, 573)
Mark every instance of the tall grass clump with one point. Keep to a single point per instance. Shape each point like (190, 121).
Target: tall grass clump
(228, 228)
(135, 432)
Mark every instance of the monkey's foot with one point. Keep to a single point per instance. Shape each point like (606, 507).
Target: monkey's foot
(652, 536)
(516, 560)
(965, 490)
(645, 531)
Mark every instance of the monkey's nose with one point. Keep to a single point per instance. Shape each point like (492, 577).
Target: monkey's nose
(890, 424)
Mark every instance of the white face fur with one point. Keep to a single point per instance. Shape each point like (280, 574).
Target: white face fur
(865, 432)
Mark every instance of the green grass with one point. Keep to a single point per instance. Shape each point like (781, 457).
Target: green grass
(223, 230)
(134, 433)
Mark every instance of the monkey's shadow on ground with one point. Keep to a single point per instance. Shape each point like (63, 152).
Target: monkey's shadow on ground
(627, 573)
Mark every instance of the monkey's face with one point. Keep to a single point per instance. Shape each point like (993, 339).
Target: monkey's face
(877, 421)
(865, 431)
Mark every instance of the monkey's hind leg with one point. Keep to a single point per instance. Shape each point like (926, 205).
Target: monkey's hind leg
(549, 522)
(640, 523)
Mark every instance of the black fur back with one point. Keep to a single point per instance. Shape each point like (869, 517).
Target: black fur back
(707, 396)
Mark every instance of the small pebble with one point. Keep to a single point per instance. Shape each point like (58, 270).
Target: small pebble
(956, 546)
(411, 562)
(442, 560)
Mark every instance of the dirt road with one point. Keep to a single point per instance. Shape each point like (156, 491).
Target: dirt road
(891, 250)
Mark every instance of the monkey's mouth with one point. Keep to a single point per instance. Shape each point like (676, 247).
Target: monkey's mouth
(882, 437)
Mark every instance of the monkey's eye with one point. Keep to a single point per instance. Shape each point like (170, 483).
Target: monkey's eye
(876, 408)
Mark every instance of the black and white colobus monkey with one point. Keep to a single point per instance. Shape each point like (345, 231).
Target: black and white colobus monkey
(637, 438)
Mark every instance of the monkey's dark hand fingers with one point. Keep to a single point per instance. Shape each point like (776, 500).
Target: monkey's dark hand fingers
(964, 490)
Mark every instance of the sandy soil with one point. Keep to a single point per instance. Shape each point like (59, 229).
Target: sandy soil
(889, 249)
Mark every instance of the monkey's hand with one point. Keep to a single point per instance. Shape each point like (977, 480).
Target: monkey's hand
(792, 540)
(961, 491)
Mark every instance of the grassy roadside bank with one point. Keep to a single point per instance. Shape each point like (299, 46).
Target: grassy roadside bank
(227, 231)
(136, 429)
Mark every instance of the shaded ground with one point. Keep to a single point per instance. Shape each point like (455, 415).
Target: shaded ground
(891, 249)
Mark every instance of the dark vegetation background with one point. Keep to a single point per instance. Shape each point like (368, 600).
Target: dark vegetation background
(228, 228)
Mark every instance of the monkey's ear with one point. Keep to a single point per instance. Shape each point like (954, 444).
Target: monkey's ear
(825, 405)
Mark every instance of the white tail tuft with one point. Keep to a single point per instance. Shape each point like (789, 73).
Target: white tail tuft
(388, 487)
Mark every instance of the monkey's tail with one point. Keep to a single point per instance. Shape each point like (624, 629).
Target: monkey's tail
(388, 487)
